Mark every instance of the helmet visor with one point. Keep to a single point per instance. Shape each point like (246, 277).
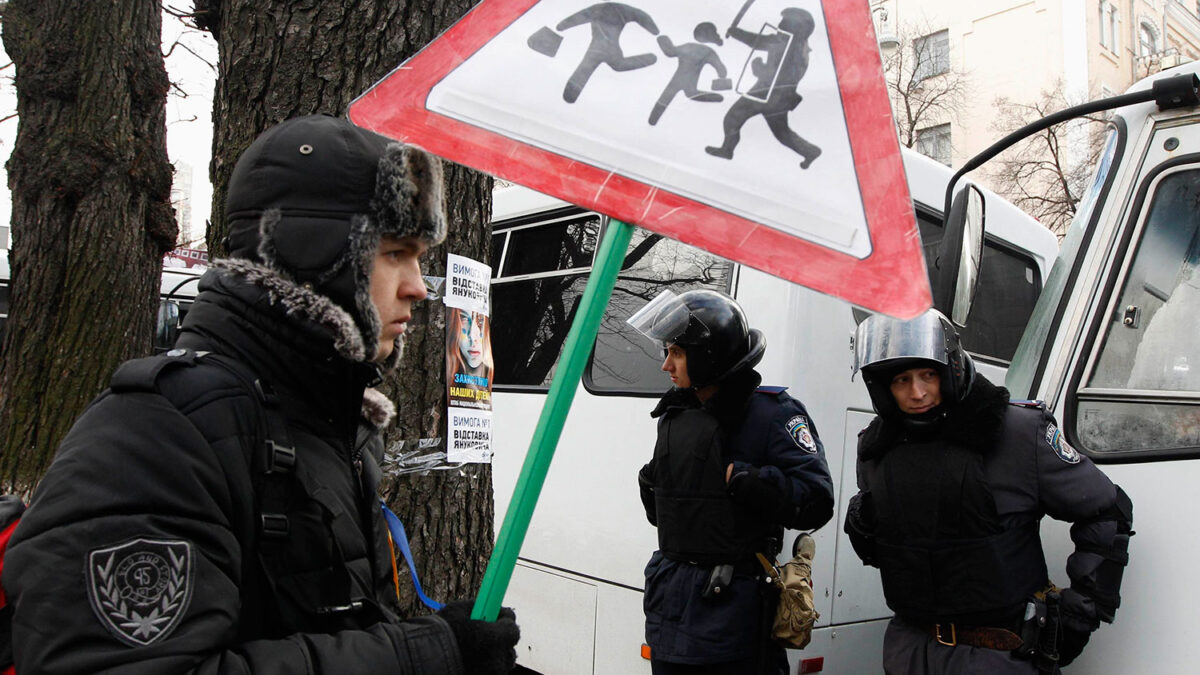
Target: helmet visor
(881, 338)
(664, 319)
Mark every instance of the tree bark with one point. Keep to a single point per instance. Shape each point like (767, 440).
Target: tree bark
(283, 59)
(91, 213)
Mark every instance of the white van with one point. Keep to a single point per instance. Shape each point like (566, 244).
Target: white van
(177, 289)
(578, 582)
(1113, 348)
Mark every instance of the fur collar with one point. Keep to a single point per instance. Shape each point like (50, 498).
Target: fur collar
(974, 423)
(377, 408)
(300, 302)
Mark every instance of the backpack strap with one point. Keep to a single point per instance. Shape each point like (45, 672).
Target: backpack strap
(275, 485)
(274, 456)
(141, 375)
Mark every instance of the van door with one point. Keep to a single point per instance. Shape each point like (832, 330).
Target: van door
(1124, 373)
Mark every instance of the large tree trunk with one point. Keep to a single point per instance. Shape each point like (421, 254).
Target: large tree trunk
(91, 213)
(280, 60)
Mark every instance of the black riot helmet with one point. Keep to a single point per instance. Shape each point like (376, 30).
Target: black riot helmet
(710, 327)
(885, 346)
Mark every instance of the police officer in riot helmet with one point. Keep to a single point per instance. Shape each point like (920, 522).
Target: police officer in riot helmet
(953, 482)
(734, 464)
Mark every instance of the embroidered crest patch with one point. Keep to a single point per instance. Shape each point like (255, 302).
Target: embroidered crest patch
(1055, 440)
(140, 589)
(797, 428)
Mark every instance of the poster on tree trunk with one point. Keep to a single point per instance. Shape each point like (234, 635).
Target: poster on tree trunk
(468, 360)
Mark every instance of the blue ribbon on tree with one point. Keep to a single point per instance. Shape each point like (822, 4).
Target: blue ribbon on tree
(401, 540)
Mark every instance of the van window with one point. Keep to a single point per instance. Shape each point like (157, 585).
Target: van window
(624, 360)
(539, 271)
(1142, 392)
(1008, 288)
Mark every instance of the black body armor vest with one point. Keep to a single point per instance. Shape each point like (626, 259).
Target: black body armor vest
(697, 520)
(942, 549)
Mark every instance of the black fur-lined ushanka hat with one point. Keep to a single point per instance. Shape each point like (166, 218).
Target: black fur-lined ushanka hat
(309, 201)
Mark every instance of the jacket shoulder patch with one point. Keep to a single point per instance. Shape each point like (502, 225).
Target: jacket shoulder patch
(141, 589)
(1055, 440)
(797, 428)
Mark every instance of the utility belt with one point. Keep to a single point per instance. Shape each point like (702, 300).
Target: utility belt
(721, 575)
(1035, 638)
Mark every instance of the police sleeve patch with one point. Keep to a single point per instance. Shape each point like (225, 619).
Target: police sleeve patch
(140, 589)
(1055, 440)
(797, 428)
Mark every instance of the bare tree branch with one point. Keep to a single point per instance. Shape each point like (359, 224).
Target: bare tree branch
(1046, 175)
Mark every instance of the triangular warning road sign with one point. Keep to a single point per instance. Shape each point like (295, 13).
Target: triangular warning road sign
(760, 132)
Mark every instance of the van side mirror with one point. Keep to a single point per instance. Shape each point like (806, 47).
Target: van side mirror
(166, 326)
(960, 255)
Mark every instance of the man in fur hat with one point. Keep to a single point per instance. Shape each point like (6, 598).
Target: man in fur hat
(215, 510)
(954, 480)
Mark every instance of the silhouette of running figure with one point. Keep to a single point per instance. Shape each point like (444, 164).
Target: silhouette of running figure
(692, 56)
(608, 19)
(773, 96)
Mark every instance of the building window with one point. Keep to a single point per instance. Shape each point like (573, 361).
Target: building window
(1114, 29)
(934, 142)
(1110, 26)
(1147, 39)
(931, 55)
(1104, 23)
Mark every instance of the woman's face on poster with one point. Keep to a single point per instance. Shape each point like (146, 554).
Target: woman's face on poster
(470, 338)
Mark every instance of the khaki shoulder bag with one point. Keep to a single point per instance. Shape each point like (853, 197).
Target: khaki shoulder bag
(796, 614)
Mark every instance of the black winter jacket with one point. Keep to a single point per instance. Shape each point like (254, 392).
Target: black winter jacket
(910, 499)
(141, 550)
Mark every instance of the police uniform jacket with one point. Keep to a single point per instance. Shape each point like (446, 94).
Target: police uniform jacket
(143, 550)
(951, 514)
(777, 455)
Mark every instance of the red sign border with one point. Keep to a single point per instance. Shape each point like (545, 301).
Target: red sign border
(891, 278)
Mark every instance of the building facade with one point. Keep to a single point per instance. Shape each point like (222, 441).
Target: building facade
(1017, 51)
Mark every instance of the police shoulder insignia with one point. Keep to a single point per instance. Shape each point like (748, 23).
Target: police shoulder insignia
(1055, 440)
(797, 428)
(140, 589)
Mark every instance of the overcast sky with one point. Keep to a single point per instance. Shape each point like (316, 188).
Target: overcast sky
(189, 117)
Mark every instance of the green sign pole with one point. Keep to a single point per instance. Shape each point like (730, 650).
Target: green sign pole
(554, 414)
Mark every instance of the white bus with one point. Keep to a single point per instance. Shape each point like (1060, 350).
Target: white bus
(578, 582)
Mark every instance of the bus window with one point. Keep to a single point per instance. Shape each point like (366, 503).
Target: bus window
(625, 361)
(1141, 393)
(539, 271)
